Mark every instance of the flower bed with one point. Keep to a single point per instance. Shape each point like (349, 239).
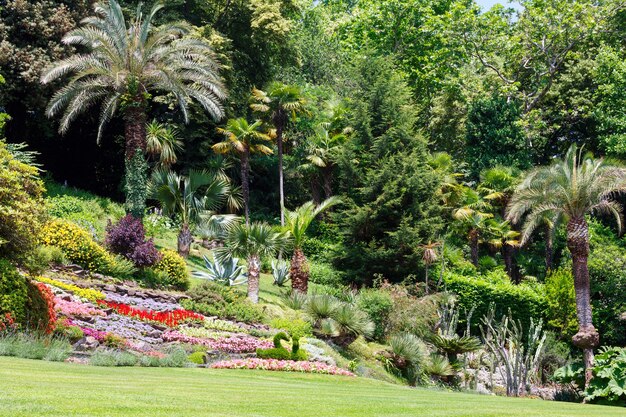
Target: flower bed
(125, 327)
(76, 309)
(235, 344)
(86, 293)
(223, 325)
(203, 333)
(146, 304)
(169, 318)
(285, 366)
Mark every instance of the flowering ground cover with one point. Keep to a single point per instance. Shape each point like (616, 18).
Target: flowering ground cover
(76, 308)
(168, 318)
(235, 344)
(280, 365)
(86, 293)
(144, 303)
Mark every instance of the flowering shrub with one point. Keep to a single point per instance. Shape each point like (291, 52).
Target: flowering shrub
(176, 269)
(7, 322)
(76, 309)
(40, 306)
(96, 334)
(235, 344)
(86, 293)
(128, 238)
(281, 365)
(169, 318)
(147, 304)
(13, 291)
(77, 244)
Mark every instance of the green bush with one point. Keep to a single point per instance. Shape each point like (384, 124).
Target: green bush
(13, 292)
(296, 328)
(212, 299)
(378, 306)
(281, 354)
(34, 346)
(40, 259)
(197, 357)
(522, 300)
(561, 300)
(176, 269)
(324, 274)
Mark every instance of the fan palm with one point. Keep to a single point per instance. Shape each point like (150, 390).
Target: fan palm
(504, 238)
(253, 242)
(163, 141)
(572, 188)
(298, 221)
(191, 198)
(279, 102)
(245, 139)
(472, 216)
(124, 63)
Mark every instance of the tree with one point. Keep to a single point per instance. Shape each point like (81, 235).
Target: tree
(126, 62)
(429, 257)
(573, 187)
(163, 141)
(473, 217)
(189, 197)
(503, 237)
(244, 139)
(297, 222)
(253, 242)
(279, 102)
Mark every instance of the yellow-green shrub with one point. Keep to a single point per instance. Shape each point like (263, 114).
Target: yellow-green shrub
(86, 293)
(77, 245)
(176, 269)
(22, 208)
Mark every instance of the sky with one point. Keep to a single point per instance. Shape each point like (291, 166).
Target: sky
(486, 4)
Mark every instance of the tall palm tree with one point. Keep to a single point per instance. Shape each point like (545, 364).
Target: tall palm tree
(572, 188)
(472, 217)
(280, 102)
(163, 142)
(297, 222)
(244, 139)
(429, 257)
(253, 242)
(125, 62)
(190, 198)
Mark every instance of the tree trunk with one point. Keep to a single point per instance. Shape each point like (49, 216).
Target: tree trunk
(549, 249)
(426, 280)
(327, 175)
(254, 267)
(507, 255)
(473, 241)
(245, 183)
(299, 272)
(279, 143)
(587, 337)
(136, 174)
(184, 241)
(316, 194)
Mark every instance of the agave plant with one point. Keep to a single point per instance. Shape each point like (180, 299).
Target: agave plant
(224, 271)
(280, 272)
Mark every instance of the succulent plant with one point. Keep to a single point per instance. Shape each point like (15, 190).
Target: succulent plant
(280, 272)
(224, 271)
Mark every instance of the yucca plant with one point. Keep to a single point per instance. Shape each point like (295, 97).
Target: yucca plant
(408, 355)
(123, 63)
(280, 272)
(223, 271)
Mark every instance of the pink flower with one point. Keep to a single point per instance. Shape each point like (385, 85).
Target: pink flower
(235, 344)
(76, 309)
(280, 365)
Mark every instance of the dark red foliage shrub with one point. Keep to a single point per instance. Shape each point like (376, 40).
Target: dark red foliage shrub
(128, 238)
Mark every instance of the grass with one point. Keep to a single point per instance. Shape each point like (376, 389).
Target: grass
(35, 388)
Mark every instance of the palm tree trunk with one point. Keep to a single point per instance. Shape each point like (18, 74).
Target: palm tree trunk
(549, 253)
(136, 166)
(254, 267)
(184, 241)
(327, 175)
(279, 143)
(316, 194)
(473, 241)
(299, 272)
(426, 279)
(587, 337)
(245, 183)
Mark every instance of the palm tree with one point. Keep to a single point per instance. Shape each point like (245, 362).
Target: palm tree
(499, 184)
(572, 188)
(244, 139)
(506, 239)
(192, 198)
(472, 217)
(298, 221)
(163, 141)
(125, 62)
(429, 257)
(279, 101)
(253, 242)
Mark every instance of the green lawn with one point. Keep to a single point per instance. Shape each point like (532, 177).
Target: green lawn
(36, 388)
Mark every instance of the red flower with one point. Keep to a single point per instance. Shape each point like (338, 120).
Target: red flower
(169, 318)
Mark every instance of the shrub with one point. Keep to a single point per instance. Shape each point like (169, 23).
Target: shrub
(128, 238)
(212, 299)
(523, 301)
(40, 259)
(34, 346)
(324, 274)
(77, 245)
(378, 306)
(297, 328)
(41, 314)
(13, 292)
(22, 208)
(68, 331)
(561, 301)
(274, 353)
(176, 269)
(198, 358)
(609, 374)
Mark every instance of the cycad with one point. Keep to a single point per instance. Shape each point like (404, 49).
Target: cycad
(253, 242)
(279, 103)
(190, 198)
(298, 222)
(123, 64)
(244, 139)
(572, 188)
